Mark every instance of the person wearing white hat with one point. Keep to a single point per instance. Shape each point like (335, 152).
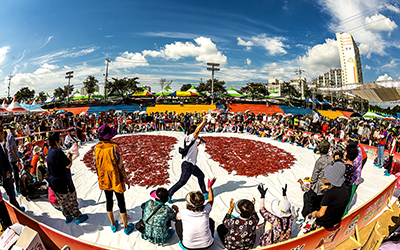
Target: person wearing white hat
(280, 217)
(335, 199)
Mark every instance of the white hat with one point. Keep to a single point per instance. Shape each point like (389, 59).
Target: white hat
(281, 208)
(36, 149)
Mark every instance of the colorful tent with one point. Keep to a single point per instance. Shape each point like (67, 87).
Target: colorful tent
(97, 95)
(232, 92)
(16, 108)
(3, 112)
(183, 93)
(4, 105)
(165, 92)
(77, 96)
(143, 93)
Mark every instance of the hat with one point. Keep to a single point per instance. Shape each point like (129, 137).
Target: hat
(36, 149)
(27, 153)
(11, 125)
(106, 132)
(153, 194)
(353, 140)
(305, 135)
(335, 174)
(281, 208)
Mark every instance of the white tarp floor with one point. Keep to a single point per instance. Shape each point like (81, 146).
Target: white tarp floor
(97, 228)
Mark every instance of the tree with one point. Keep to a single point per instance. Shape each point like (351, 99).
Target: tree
(59, 93)
(219, 87)
(123, 86)
(289, 90)
(42, 96)
(164, 83)
(66, 92)
(255, 89)
(25, 94)
(186, 87)
(90, 84)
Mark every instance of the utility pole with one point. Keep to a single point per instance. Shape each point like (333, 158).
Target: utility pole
(105, 81)
(298, 72)
(213, 65)
(69, 76)
(9, 85)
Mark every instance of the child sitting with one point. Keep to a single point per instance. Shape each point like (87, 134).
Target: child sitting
(28, 187)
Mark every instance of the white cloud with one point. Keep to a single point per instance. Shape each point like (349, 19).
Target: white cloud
(3, 53)
(320, 58)
(248, 61)
(345, 20)
(48, 40)
(391, 64)
(45, 69)
(248, 44)
(274, 45)
(384, 77)
(57, 56)
(379, 22)
(204, 51)
(129, 60)
(367, 67)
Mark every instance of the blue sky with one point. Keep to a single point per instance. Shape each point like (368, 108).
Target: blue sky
(252, 40)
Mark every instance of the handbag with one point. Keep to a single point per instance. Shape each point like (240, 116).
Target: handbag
(140, 225)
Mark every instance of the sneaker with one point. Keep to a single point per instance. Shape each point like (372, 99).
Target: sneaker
(182, 247)
(386, 173)
(170, 201)
(68, 219)
(114, 228)
(129, 229)
(17, 192)
(82, 219)
(22, 208)
(205, 196)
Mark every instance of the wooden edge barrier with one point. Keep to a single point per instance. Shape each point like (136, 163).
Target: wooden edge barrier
(52, 238)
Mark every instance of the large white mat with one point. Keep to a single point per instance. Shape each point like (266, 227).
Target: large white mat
(97, 228)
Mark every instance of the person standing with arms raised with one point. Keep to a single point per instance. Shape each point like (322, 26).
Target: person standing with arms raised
(189, 154)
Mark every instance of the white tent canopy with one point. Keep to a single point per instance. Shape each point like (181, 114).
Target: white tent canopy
(4, 105)
(378, 91)
(16, 108)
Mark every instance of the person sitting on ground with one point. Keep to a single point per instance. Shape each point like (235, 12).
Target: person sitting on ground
(335, 199)
(69, 140)
(46, 146)
(239, 233)
(35, 160)
(41, 171)
(313, 197)
(280, 218)
(157, 229)
(194, 227)
(30, 188)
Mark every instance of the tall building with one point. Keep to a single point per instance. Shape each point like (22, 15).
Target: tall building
(349, 59)
(331, 78)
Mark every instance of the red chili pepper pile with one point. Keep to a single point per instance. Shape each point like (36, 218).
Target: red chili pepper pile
(145, 158)
(247, 157)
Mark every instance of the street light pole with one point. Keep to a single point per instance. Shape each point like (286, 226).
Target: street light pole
(105, 81)
(299, 71)
(213, 65)
(69, 76)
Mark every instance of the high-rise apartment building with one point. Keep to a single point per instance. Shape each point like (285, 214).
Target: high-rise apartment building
(350, 59)
(333, 78)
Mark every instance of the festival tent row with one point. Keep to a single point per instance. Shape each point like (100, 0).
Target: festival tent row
(16, 108)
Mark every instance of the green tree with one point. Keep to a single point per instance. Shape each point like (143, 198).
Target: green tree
(255, 89)
(25, 94)
(219, 87)
(59, 93)
(42, 96)
(90, 84)
(66, 92)
(186, 87)
(289, 90)
(123, 86)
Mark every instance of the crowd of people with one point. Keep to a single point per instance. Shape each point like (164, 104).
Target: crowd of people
(34, 171)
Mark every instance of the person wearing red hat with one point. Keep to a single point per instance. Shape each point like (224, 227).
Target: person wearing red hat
(111, 175)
